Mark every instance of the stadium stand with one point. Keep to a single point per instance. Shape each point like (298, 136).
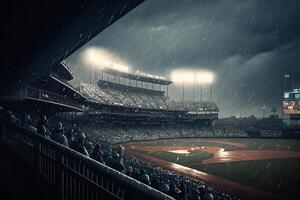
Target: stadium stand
(85, 160)
(117, 94)
(113, 166)
(64, 169)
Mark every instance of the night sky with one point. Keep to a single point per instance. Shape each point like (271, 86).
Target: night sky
(249, 45)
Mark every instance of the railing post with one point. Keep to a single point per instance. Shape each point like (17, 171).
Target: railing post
(25, 91)
(2, 130)
(59, 174)
(36, 154)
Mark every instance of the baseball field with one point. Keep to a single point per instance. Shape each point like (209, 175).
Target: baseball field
(247, 168)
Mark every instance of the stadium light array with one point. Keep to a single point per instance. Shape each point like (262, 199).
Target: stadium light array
(204, 77)
(101, 58)
(189, 76)
(140, 73)
(182, 76)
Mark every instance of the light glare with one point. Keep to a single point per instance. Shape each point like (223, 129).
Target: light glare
(101, 58)
(205, 77)
(182, 76)
(189, 76)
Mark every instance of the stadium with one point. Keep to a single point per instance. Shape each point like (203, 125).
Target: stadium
(123, 136)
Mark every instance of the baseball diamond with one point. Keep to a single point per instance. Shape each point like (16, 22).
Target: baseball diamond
(249, 168)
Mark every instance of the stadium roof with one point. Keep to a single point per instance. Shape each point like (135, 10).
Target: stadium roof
(38, 35)
(137, 77)
(63, 70)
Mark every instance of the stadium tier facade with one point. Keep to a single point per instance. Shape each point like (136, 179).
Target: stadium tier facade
(49, 94)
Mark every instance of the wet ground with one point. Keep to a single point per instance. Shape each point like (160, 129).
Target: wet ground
(249, 168)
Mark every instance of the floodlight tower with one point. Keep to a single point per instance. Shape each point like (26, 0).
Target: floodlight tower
(193, 92)
(205, 78)
(90, 74)
(201, 92)
(210, 91)
(183, 92)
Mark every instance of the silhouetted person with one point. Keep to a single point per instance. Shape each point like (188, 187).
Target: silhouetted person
(136, 173)
(195, 194)
(145, 179)
(97, 154)
(70, 134)
(117, 162)
(89, 147)
(183, 194)
(76, 130)
(28, 123)
(174, 191)
(78, 145)
(43, 123)
(58, 135)
(165, 188)
(129, 171)
(43, 131)
(155, 183)
(207, 196)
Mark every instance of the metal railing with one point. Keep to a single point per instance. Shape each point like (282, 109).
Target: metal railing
(35, 93)
(71, 174)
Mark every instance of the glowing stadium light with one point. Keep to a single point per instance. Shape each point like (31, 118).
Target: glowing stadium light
(182, 75)
(101, 58)
(119, 67)
(192, 76)
(205, 77)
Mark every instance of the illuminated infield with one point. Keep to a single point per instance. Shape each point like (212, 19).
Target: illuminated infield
(249, 168)
(180, 151)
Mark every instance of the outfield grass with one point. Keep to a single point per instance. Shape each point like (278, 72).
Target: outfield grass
(280, 176)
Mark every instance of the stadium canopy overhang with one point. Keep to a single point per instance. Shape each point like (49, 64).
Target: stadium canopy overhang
(36, 36)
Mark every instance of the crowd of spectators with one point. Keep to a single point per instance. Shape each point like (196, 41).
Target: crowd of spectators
(102, 143)
(116, 94)
(271, 133)
(201, 106)
(100, 146)
(124, 133)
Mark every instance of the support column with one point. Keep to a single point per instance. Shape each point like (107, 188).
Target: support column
(167, 91)
(183, 94)
(90, 74)
(193, 92)
(201, 93)
(211, 92)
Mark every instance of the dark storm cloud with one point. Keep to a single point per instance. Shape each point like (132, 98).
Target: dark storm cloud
(248, 44)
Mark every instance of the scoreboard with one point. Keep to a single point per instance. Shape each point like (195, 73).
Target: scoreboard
(291, 103)
(291, 107)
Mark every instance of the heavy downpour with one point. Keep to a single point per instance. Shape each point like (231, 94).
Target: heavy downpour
(150, 99)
